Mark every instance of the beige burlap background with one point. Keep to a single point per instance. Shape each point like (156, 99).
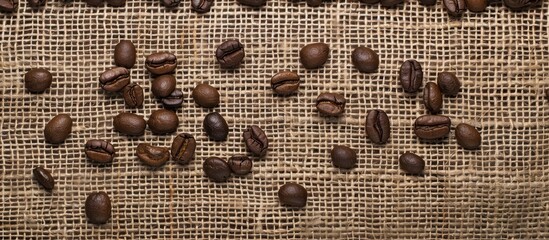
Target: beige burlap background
(499, 191)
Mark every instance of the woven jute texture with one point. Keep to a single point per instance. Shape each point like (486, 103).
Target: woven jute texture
(497, 192)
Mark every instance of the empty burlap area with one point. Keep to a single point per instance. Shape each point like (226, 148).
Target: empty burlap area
(499, 191)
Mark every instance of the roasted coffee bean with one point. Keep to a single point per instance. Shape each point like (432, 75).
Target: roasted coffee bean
(205, 95)
(455, 8)
(411, 76)
(370, 1)
(411, 163)
(467, 136)
(365, 59)
(285, 83)
(519, 5)
(116, 3)
(201, 6)
(378, 126)
(37, 80)
(183, 147)
(476, 5)
(58, 129)
(133, 95)
(161, 63)
(292, 195)
(330, 104)
(216, 169)
(163, 85)
(427, 2)
(163, 121)
(391, 3)
(151, 155)
(230, 53)
(125, 54)
(99, 151)
(44, 178)
(216, 127)
(314, 3)
(429, 127)
(314, 55)
(8, 6)
(174, 100)
(98, 207)
(170, 3)
(240, 165)
(252, 3)
(129, 124)
(448, 83)
(432, 97)
(343, 157)
(256, 140)
(115, 79)
(95, 3)
(36, 3)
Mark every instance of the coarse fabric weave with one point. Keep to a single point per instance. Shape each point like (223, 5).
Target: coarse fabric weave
(497, 192)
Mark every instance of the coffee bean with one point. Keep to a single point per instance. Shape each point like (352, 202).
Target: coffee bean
(292, 195)
(201, 6)
(391, 3)
(116, 3)
(240, 165)
(230, 53)
(256, 140)
(427, 2)
(429, 127)
(205, 95)
(314, 3)
(44, 178)
(476, 5)
(467, 136)
(125, 54)
(98, 207)
(151, 155)
(252, 3)
(37, 80)
(343, 157)
(174, 100)
(99, 151)
(370, 1)
(216, 169)
(330, 104)
(432, 97)
(183, 147)
(129, 124)
(365, 59)
(133, 95)
(8, 5)
(58, 129)
(455, 8)
(378, 126)
(163, 86)
(115, 79)
(95, 3)
(448, 83)
(170, 3)
(161, 63)
(163, 121)
(314, 55)
(411, 76)
(285, 83)
(36, 3)
(216, 127)
(519, 5)
(411, 163)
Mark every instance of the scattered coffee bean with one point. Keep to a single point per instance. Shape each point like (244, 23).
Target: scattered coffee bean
(411, 76)
(129, 124)
(161, 63)
(429, 127)
(133, 95)
(58, 129)
(411, 163)
(163, 121)
(230, 53)
(163, 85)
(314, 55)
(467, 136)
(365, 59)
(205, 95)
(378, 126)
(95, 3)
(98, 207)
(330, 104)
(253, 3)
(37, 80)
(370, 1)
(125, 54)
(8, 6)
(201, 6)
(519, 5)
(455, 8)
(292, 195)
(216, 127)
(116, 3)
(170, 3)
(217, 169)
(427, 2)
(448, 83)
(44, 178)
(240, 165)
(174, 100)
(285, 83)
(183, 147)
(314, 3)
(115, 79)
(99, 151)
(256, 140)
(36, 3)
(343, 157)
(151, 155)
(476, 5)
(391, 3)
(432, 97)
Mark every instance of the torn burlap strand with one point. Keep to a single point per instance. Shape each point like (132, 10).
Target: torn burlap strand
(497, 192)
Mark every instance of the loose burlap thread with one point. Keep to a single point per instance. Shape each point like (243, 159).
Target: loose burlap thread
(499, 191)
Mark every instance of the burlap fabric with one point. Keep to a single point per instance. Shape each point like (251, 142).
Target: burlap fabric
(499, 191)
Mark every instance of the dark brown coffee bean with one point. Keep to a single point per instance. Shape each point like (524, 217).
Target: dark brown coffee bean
(161, 63)
(476, 5)
(216, 169)
(391, 3)
(36, 3)
(99, 151)
(174, 100)
(201, 6)
(37, 80)
(448, 83)
(427, 2)
(8, 6)
(151, 155)
(370, 1)
(115, 79)
(129, 124)
(163, 121)
(285, 83)
(467, 136)
(292, 195)
(183, 147)
(230, 53)
(330, 104)
(519, 5)
(216, 127)
(170, 3)
(116, 3)
(95, 3)
(411, 163)
(205, 95)
(58, 129)
(256, 140)
(240, 165)
(343, 157)
(133, 95)
(252, 3)
(378, 126)
(44, 178)
(455, 8)
(314, 3)
(125, 54)
(365, 59)
(163, 85)
(98, 207)
(314, 55)
(411, 76)
(432, 97)
(429, 127)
